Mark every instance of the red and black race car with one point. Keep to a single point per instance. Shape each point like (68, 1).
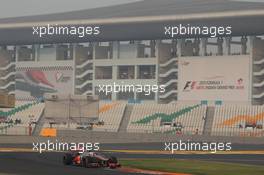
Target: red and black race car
(90, 159)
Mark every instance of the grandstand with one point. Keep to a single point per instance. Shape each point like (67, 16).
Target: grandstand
(22, 119)
(111, 114)
(151, 118)
(179, 119)
(158, 63)
(212, 86)
(176, 119)
(7, 72)
(235, 120)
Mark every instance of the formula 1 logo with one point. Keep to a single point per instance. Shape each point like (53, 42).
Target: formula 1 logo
(189, 85)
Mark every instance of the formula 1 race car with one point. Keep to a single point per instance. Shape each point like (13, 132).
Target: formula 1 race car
(90, 160)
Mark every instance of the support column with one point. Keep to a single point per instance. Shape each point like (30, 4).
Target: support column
(174, 48)
(74, 66)
(136, 71)
(152, 48)
(244, 45)
(110, 50)
(94, 45)
(157, 78)
(228, 45)
(220, 46)
(158, 55)
(251, 69)
(203, 46)
(93, 78)
(179, 47)
(17, 52)
(196, 46)
(116, 55)
(116, 49)
(36, 51)
(114, 78)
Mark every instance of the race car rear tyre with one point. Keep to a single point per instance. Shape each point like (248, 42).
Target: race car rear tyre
(67, 159)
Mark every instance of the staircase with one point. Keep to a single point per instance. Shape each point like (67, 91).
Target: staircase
(168, 77)
(7, 76)
(83, 77)
(39, 125)
(126, 118)
(209, 118)
(258, 72)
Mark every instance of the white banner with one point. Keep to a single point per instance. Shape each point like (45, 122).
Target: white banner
(225, 78)
(33, 83)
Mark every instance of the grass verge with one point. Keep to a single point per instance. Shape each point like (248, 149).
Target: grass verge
(194, 167)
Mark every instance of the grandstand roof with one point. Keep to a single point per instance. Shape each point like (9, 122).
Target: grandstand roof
(140, 20)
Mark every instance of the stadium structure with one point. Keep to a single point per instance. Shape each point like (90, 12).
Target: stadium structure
(213, 86)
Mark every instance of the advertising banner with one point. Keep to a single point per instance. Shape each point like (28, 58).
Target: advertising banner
(225, 78)
(33, 83)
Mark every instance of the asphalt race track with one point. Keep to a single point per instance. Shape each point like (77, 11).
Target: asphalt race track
(42, 164)
(51, 163)
(27, 163)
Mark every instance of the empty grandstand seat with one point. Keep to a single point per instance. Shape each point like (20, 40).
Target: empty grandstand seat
(238, 120)
(25, 111)
(111, 114)
(150, 118)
